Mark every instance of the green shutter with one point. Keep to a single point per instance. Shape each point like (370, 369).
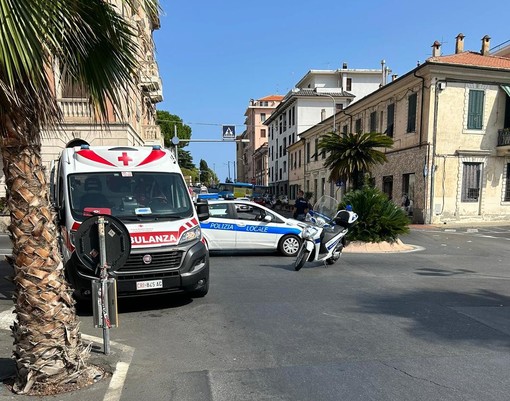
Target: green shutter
(475, 110)
(411, 113)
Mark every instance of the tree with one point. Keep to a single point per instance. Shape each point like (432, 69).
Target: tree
(171, 125)
(352, 155)
(90, 43)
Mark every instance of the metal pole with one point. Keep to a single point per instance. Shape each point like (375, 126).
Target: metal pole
(104, 290)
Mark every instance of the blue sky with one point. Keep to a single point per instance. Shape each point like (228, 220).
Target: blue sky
(214, 56)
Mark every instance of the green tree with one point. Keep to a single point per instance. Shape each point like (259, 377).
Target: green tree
(92, 44)
(351, 156)
(171, 125)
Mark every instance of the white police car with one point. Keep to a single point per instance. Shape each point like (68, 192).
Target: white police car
(245, 225)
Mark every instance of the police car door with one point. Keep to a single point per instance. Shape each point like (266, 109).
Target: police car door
(253, 232)
(219, 229)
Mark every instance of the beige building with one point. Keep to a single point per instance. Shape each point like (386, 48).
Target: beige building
(450, 122)
(252, 155)
(137, 128)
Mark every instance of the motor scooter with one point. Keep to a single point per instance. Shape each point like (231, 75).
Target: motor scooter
(324, 235)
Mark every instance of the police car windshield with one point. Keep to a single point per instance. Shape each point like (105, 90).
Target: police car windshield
(129, 195)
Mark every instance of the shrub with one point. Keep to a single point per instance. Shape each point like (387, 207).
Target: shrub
(379, 219)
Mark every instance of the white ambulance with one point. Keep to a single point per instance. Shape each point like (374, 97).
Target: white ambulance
(144, 188)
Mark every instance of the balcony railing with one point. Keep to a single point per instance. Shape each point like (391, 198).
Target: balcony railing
(75, 108)
(504, 137)
(151, 133)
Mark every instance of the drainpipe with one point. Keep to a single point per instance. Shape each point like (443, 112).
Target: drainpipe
(432, 158)
(422, 96)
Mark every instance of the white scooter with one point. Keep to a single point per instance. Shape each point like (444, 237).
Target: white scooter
(324, 235)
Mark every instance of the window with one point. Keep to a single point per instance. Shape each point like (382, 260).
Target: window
(373, 121)
(323, 186)
(390, 120)
(388, 186)
(262, 117)
(471, 174)
(299, 158)
(408, 181)
(475, 109)
(349, 84)
(411, 113)
(345, 130)
(262, 133)
(316, 149)
(507, 184)
(357, 126)
(308, 152)
(284, 146)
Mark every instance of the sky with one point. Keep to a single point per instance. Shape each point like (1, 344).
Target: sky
(214, 56)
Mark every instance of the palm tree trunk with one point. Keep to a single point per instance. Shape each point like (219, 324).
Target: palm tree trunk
(48, 346)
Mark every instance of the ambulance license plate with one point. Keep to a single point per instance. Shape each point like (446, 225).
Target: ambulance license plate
(148, 285)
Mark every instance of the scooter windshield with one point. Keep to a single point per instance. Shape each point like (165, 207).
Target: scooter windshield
(326, 206)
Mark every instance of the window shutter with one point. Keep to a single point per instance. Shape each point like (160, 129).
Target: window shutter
(475, 109)
(411, 113)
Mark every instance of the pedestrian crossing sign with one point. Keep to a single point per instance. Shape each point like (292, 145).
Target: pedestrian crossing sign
(229, 132)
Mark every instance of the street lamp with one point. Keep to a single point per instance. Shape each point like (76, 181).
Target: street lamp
(334, 106)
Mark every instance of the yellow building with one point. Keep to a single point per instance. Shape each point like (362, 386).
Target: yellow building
(450, 122)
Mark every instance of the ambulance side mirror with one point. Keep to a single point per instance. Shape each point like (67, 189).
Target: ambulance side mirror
(61, 216)
(202, 209)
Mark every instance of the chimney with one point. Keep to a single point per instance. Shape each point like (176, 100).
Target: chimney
(459, 44)
(393, 77)
(436, 49)
(344, 66)
(486, 43)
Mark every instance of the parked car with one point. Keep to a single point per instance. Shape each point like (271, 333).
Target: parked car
(245, 225)
(242, 207)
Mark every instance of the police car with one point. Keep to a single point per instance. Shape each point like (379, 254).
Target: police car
(245, 225)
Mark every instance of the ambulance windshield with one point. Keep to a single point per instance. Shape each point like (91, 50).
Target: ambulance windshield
(129, 194)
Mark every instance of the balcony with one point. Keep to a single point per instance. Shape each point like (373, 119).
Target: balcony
(503, 146)
(152, 134)
(150, 79)
(75, 108)
(156, 96)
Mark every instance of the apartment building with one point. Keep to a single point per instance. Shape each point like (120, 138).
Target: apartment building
(137, 127)
(252, 155)
(450, 122)
(318, 95)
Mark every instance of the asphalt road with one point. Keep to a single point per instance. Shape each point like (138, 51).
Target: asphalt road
(427, 325)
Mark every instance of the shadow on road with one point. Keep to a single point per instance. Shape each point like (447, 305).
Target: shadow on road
(478, 317)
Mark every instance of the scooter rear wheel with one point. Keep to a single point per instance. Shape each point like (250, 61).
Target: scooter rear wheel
(336, 255)
(301, 258)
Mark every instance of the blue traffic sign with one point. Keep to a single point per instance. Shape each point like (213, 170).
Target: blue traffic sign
(229, 132)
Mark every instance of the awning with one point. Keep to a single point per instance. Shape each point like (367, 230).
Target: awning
(506, 88)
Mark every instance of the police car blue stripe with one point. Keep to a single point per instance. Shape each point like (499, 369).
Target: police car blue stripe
(250, 228)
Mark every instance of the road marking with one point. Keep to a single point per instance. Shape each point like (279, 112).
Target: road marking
(125, 353)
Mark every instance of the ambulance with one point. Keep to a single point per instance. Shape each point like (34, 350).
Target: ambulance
(144, 188)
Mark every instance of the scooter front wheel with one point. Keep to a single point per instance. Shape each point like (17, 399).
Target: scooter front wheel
(301, 258)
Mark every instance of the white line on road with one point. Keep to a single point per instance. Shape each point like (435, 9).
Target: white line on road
(126, 352)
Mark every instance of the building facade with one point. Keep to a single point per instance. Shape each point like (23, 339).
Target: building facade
(318, 95)
(252, 155)
(135, 125)
(450, 122)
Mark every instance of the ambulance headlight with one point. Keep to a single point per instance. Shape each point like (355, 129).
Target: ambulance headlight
(191, 235)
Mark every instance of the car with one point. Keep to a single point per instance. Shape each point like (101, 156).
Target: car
(242, 207)
(241, 225)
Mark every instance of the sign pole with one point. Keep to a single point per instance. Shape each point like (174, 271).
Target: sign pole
(103, 296)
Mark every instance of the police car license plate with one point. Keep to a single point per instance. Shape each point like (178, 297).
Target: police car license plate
(148, 285)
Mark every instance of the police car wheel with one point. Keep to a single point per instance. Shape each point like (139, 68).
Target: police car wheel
(289, 245)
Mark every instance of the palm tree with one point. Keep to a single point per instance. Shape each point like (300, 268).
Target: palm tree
(352, 155)
(89, 42)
